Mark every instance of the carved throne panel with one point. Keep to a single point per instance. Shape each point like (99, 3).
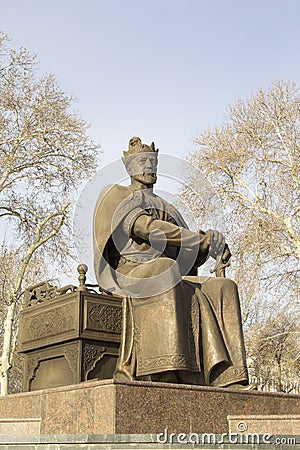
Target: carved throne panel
(68, 335)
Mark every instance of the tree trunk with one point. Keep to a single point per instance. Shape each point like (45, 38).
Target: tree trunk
(7, 348)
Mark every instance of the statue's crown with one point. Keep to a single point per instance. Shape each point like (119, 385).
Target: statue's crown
(135, 146)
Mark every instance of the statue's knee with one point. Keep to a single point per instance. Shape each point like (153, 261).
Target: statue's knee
(229, 284)
(221, 286)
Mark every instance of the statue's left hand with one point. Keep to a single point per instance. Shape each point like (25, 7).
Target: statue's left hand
(222, 263)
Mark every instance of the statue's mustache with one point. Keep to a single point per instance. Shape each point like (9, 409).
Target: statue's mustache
(149, 173)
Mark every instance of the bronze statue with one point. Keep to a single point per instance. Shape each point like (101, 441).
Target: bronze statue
(175, 327)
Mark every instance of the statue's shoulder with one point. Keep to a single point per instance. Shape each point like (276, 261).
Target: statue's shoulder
(113, 203)
(113, 198)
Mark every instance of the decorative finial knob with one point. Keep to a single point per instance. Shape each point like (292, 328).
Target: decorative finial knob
(82, 270)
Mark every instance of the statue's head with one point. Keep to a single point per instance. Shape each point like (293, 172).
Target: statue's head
(141, 161)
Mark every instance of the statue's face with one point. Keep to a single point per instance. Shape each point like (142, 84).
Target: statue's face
(143, 168)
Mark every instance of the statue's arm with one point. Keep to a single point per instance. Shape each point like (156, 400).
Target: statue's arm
(145, 227)
(209, 243)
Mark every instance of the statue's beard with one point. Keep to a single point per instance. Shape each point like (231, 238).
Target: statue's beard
(147, 178)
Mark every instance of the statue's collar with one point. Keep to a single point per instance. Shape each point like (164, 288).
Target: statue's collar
(147, 191)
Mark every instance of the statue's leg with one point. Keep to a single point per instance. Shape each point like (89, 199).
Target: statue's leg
(156, 336)
(222, 330)
(126, 364)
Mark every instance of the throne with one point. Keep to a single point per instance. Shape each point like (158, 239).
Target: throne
(69, 334)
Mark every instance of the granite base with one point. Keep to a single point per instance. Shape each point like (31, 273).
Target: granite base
(110, 407)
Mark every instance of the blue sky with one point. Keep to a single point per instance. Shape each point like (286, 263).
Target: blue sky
(160, 69)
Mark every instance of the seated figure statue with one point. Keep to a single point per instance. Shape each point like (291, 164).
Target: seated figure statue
(176, 328)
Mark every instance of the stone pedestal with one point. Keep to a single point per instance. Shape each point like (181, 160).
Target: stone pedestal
(108, 407)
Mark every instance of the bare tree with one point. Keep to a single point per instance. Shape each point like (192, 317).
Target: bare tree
(37, 270)
(273, 350)
(45, 153)
(253, 164)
